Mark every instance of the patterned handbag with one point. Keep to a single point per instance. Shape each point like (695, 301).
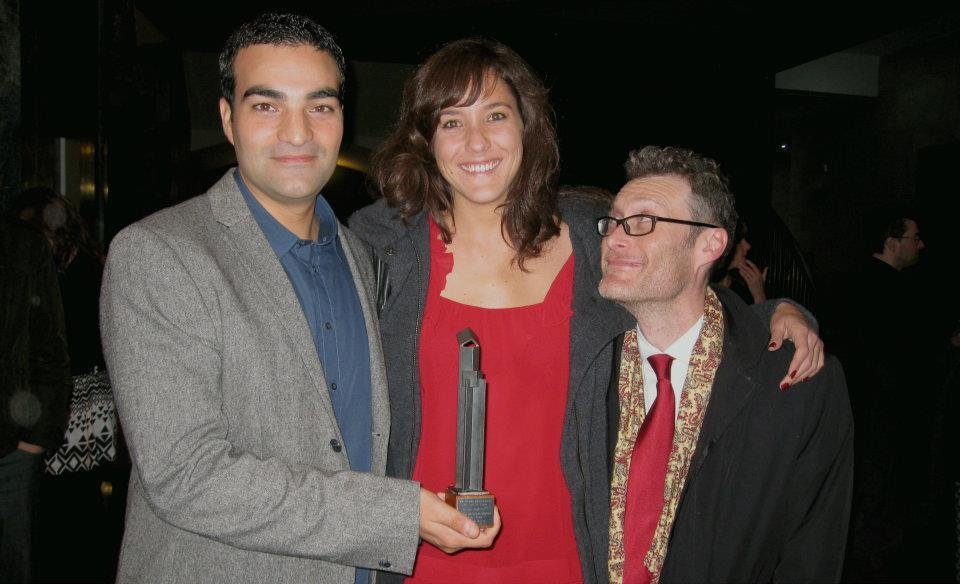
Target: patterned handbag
(90, 437)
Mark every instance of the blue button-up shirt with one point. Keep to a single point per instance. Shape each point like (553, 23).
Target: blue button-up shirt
(321, 278)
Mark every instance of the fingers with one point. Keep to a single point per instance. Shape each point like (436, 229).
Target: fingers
(449, 530)
(751, 273)
(808, 358)
(30, 448)
(807, 361)
(800, 361)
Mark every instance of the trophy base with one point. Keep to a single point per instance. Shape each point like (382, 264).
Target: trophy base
(477, 505)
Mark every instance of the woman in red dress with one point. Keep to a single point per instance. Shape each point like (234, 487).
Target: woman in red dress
(471, 232)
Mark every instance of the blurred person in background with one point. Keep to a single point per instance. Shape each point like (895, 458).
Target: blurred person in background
(740, 274)
(34, 386)
(85, 473)
(79, 264)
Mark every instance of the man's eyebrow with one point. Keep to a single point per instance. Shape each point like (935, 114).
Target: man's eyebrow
(324, 93)
(264, 91)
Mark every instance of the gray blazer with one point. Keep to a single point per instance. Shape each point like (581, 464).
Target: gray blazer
(239, 473)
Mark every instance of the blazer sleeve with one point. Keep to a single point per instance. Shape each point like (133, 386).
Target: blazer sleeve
(162, 344)
(821, 490)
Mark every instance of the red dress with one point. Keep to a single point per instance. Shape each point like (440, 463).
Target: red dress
(525, 357)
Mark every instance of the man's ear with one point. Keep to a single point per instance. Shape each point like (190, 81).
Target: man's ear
(226, 117)
(890, 242)
(713, 243)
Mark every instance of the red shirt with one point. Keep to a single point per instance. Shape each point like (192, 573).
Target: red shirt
(525, 357)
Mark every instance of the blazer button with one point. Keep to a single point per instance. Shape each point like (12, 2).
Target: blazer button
(390, 251)
(335, 444)
(384, 564)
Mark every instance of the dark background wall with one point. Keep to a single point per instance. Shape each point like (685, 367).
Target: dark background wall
(139, 79)
(10, 95)
(838, 158)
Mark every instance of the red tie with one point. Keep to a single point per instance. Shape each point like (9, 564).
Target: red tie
(648, 469)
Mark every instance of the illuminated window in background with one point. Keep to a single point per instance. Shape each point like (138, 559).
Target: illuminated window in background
(76, 179)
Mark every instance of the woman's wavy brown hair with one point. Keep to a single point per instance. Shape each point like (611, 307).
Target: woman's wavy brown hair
(406, 170)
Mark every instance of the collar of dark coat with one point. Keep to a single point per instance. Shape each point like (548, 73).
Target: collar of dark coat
(745, 340)
(400, 243)
(596, 321)
(381, 226)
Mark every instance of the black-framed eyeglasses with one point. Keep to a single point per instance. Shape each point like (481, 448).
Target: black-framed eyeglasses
(913, 237)
(637, 225)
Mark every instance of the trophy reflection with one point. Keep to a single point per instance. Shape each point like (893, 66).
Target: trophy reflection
(468, 495)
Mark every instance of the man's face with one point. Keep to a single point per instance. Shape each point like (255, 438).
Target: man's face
(286, 121)
(907, 248)
(658, 266)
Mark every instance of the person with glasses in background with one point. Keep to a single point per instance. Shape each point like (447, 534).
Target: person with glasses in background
(892, 349)
(718, 475)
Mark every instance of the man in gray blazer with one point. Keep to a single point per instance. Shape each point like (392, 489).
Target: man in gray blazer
(242, 344)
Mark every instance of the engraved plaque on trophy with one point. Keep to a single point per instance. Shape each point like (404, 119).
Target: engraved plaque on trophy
(468, 495)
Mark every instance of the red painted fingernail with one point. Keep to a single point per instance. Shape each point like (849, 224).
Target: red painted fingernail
(793, 374)
(784, 386)
(772, 344)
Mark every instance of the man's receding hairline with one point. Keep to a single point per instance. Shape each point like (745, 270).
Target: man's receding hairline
(282, 45)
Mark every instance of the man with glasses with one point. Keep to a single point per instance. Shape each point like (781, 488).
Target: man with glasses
(717, 473)
(891, 348)
(901, 245)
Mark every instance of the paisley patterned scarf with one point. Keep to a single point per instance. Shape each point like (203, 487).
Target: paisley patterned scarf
(704, 362)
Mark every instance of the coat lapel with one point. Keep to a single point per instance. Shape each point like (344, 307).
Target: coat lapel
(732, 388)
(244, 235)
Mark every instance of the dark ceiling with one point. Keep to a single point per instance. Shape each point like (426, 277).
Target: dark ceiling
(777, 34)
(694, 73)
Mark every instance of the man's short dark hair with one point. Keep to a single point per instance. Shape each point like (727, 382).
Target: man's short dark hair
(885, 223)
(712, 201)
(279, 30)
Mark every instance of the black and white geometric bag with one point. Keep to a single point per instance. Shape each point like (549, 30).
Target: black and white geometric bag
(90, 438)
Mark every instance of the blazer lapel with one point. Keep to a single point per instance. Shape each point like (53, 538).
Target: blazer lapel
(243, 233)
(364, 279)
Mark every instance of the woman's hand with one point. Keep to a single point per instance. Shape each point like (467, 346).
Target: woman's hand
(755, 279)
(789, 323)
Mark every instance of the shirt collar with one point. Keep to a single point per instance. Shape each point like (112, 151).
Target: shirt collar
(680, 349)
(280, 238)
